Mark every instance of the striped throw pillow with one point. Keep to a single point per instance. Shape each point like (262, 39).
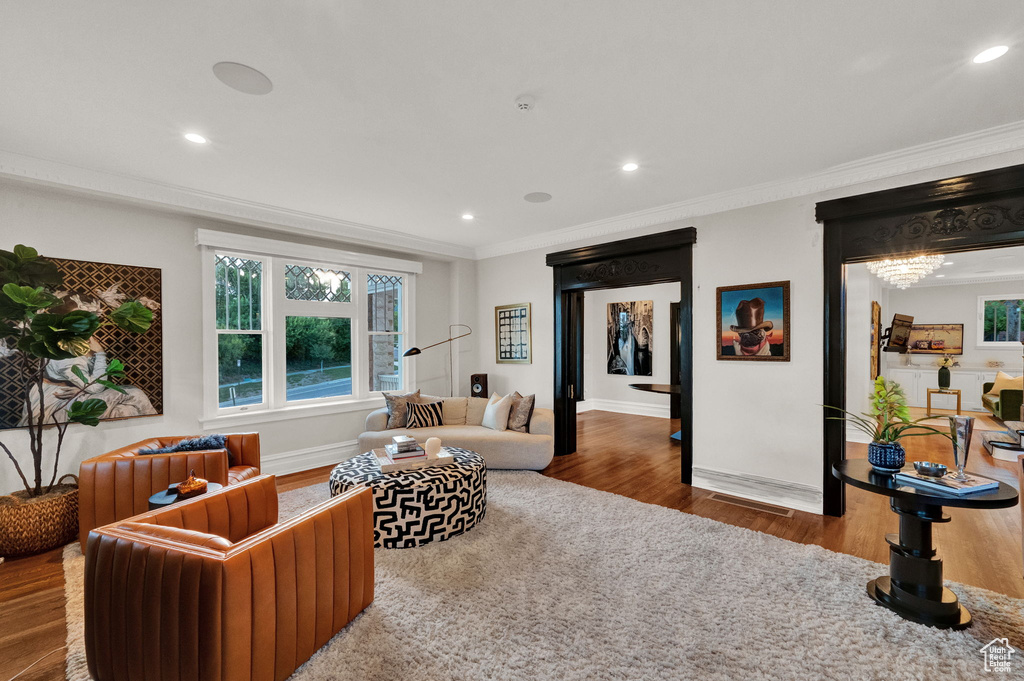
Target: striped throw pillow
(424, 415)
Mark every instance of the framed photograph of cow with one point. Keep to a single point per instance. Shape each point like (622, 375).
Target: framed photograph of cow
(753, 322)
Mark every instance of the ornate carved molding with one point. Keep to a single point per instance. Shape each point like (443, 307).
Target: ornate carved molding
(950, 221)
(616, 268)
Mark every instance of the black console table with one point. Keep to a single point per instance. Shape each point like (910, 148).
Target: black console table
(663, 389)
(913, 589)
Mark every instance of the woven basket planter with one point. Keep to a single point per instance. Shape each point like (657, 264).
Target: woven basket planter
(36, 524)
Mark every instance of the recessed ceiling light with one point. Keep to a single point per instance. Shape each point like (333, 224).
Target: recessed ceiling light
(537, 197)
(991, 53)
(947, 263)
(939, 276)
(242, 78)
(630, 167)
(195, 138)
(467, 216)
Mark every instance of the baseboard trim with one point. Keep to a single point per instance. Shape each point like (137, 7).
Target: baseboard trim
(299, 460)
(662, 411)
(793, 495)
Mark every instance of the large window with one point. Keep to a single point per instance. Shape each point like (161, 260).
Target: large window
(999, 320)
(287, 332)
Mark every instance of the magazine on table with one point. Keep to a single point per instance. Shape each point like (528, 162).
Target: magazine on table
(947, 483)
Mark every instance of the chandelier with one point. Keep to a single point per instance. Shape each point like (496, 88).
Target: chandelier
(903, 272)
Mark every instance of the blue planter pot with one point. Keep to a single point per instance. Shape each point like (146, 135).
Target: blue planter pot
(886, 458)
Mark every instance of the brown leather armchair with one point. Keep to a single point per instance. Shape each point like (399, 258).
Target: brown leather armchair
(118, 484)
(215, 589)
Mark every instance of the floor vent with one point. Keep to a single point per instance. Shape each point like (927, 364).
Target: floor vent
(753, 505)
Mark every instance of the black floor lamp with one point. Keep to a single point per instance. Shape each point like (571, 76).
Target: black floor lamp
(451, 374)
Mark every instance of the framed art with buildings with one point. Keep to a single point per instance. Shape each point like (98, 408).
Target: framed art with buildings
(512, 334)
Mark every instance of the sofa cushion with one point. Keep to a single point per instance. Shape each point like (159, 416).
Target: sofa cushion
(519, 415)
(475, 411)
(398, 408)
(496, 412)
(991, 402)
(453, 411)
(508, 449)
(424, 415)
(1005, 381)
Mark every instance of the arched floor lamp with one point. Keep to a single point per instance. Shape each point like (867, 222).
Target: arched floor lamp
(451, 373)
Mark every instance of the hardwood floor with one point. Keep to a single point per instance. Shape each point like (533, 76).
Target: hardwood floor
(627, 455)
(633, 456)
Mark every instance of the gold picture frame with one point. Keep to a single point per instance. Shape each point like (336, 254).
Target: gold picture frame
(513, 334)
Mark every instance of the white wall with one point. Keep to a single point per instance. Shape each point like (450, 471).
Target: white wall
(64, 225)
(611, 392)
(862, 288)
(757, 425)
(954, 305)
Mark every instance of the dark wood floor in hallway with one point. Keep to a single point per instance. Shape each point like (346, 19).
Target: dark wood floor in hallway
(633, 456)
(623, 454)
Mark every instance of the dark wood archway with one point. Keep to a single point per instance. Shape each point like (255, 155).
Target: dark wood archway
(653, 259)
(980, 210)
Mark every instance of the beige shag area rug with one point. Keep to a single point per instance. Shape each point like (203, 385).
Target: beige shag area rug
(561, 581)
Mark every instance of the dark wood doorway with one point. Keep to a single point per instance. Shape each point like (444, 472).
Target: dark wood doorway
(972, 212)
(653, 259)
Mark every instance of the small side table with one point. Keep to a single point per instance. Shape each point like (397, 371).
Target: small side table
(170, 495)
(913, 588)
(943, 391)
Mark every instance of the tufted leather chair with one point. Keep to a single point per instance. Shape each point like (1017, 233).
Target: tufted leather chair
(216, 589)
(118, 484)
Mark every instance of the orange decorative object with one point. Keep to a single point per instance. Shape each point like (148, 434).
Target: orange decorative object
(192, 486)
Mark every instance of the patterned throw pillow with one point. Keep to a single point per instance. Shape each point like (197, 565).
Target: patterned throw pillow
(193, 444)
(424, 415)
(522, 410)
(398, 408)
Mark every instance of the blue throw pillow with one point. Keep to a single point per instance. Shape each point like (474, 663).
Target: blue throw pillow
(194, 444)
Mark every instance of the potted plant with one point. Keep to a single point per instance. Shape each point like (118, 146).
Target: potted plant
(37, 327)
(886, 424)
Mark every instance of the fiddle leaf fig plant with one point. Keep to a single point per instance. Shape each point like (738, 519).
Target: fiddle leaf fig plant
(889, 420)
(35, 330)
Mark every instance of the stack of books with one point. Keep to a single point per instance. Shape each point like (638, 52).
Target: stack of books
(401, 456)
(947, 483)
(404, 447)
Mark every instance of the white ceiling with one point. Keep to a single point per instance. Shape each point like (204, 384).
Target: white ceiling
(990, 265)
(400, 115)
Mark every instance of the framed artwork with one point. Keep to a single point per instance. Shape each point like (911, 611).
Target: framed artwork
(936, 339)
(631, 338)
(876, 339)
(756, 319)
(95, 287)
(512, 334)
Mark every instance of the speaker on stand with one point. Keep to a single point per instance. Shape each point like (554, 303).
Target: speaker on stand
(478, 385)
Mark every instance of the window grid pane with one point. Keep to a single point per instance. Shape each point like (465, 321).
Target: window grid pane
(1003, 320)
(240, 369)
(384, 302)
(385, 362)
(239, 286)
(317, 284)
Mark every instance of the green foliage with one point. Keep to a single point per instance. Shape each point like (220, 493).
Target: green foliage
(27, 285)
(87, 412)
(132, 316)
(309, 340)
(60, 336)
(889, 419)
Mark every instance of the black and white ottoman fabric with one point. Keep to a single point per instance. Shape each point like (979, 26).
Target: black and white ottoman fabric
(417, 507)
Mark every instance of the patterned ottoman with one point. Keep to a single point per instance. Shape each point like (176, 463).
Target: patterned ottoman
(419, 506)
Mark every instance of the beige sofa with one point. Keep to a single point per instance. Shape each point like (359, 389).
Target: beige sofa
(532, 450)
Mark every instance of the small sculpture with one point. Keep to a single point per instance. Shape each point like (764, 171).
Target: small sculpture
(192, 487)
(432, 447)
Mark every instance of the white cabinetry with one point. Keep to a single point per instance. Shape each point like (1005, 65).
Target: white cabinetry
(916, 381)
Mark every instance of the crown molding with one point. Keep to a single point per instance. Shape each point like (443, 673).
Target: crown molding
(205, 204)
(989, 142)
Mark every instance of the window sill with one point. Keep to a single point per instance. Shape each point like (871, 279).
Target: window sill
(290, 413)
